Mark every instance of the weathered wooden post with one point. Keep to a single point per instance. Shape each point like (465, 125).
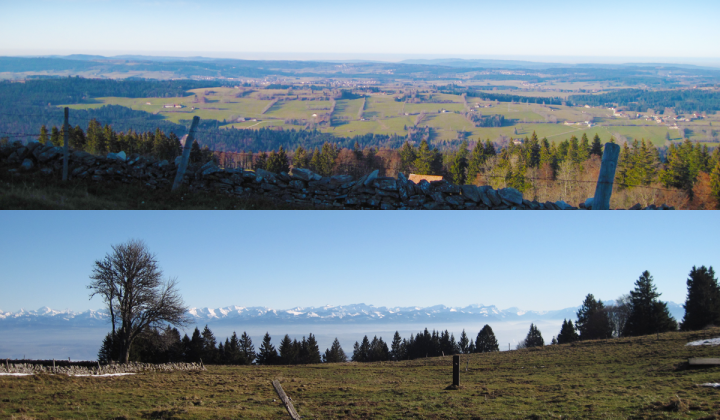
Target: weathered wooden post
(456, 370)
(285, 399)
(66, 128)
(603, 190)
(186, 154)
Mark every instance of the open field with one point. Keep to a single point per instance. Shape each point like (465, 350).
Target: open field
(293, 109)
(643, 377)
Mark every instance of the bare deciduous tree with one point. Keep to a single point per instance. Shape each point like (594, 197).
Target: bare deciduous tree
(130, 282)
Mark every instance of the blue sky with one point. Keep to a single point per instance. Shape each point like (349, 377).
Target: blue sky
(532, 260)
(625, 31)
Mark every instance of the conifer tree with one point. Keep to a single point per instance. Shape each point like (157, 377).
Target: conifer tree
(648, 315)
(428, 161)
(195, 152)
(247, 349)
(287, 351)
(313, 352)
(534, 338)
(300, 158)
(209, 352)
(715, 178)
(702, 305)
(677, 170)
(407, 158)
(315, 162)
(460, 164)
(464, 342)
(489, 149)
(596, 147)
(43, 135)
(55, 137)
(583, 149)
(335, 353)
(593, 322)
(233, 352)
(477, 158)
(396, 348)
(486, 341)
(284, 163)
(567, 333)
(195, 348)
(260, 163)
(267, 355)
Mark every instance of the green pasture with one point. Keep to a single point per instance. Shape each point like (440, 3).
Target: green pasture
(383, 107)
(640, 378)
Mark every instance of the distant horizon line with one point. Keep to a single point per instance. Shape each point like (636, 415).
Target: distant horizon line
(384, 57)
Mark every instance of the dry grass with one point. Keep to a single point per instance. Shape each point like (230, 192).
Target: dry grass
(642, 377)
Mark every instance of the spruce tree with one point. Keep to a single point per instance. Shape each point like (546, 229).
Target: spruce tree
(648, 315)
(267, 355)
(464, 342)
(715, 178)
(593, 322)
(313, 352)
(315, 161)
(287, 351)
(407, 158)
(55, 137)
(567, 333)
(43, 135)
(428, 161)
(702, 305)
(460, 164)
(477, 158)
(335, 353)
(396, 352)
(195, 349)
(486, 341)
(489, 149)
(596, 147)
(247, 349)
(209, 351)
(534, 338)
(300, 158)
(233, 352)
(260, 163)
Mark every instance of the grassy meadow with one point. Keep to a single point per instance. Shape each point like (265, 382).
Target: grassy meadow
(383, 115)
(644, 377)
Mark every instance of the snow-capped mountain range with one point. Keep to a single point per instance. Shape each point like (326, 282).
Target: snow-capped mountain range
(345, 314)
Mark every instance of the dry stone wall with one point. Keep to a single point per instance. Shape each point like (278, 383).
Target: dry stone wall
(300, 186)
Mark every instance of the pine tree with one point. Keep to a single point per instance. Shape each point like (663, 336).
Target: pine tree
(300, 158)
(567, 333)
(335, 353)
(287, 351)
(477, 158)
(596, 148)
(396, 347)
(109, 350)
(647, 314)
(261, 162)
(464, 342)
(247, 349)
(486, 341)
(195, 152)
(489, 149)
(593, 322)
(267, 355)
(715, 178)
(315, 162)
(233, 352)
(428, 161)
(407, 158)
(677, 170)
(460, 164)
(702, 305)
(43, 135)
(313, 352)
(284, 163)
(328, 155)
(361, 352)
(55, 137)
(194, 350)
(584, 149)
(534, 338)
(209, 351)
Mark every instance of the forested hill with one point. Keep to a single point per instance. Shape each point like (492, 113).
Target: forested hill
(75, 90)
(685, 101)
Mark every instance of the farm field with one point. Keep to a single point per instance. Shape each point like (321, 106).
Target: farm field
(381, 114)
(644, 377)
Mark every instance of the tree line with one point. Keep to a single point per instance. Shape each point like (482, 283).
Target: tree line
(639, 100)
(640, 312)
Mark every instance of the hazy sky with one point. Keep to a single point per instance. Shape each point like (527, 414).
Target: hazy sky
(626, 30)
(532, 260)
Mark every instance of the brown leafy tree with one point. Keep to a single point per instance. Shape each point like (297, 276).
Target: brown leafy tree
(130, 282)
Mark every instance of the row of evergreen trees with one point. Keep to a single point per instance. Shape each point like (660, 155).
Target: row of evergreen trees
(641, 313)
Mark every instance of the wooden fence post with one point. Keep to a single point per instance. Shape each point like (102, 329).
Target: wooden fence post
(186, 154)
(456, 370)
(603, 190)
(285, 399)
(66, 128)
